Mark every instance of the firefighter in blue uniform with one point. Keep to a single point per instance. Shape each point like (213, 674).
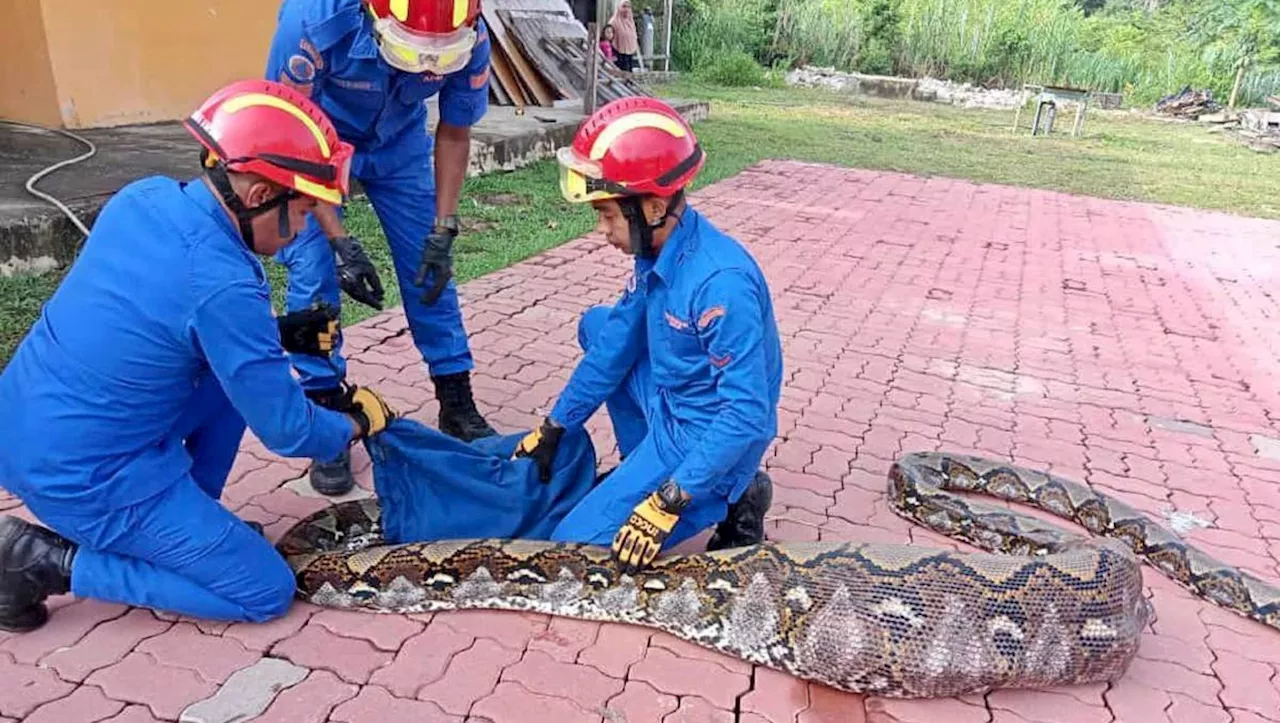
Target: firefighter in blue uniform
(372, 65)
(688, 362)
(127, 400)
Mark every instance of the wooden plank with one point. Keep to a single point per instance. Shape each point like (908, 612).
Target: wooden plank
(551, 7)
(498, 31)
(533, 31)
(506, 78)
(613, 83)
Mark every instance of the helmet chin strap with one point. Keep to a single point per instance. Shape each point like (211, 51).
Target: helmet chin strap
(217, 173)
(641, 229)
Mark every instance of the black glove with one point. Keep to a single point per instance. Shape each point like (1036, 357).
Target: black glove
(369, 410)
(437, 256)
(309, 331)
(356, 273)
(541, 444)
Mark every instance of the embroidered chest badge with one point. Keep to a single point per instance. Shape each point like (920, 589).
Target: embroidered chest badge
(675, 322)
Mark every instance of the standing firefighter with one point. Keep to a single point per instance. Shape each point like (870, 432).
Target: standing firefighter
(688, 362)
(127, 401)
(372, 65)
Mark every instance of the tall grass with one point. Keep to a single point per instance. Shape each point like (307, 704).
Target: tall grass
(1122, 48)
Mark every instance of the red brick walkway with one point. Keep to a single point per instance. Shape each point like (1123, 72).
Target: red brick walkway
(1129, 345)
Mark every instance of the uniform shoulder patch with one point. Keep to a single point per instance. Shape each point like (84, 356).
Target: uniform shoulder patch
(710, 315)
(301, 69)
(479, 79)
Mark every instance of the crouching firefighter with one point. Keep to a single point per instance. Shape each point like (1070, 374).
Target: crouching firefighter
(688, 361)
(128, 398)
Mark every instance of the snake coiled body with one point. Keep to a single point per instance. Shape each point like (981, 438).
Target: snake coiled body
(1039, 607)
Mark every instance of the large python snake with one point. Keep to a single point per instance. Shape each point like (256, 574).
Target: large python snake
(1038, 607)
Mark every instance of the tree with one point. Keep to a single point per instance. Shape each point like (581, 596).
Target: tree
(1240, 34)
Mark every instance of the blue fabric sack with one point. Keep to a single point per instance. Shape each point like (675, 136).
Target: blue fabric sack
(431, 486)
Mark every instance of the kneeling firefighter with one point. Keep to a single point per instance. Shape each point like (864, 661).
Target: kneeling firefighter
(127, 400)
(688, 362)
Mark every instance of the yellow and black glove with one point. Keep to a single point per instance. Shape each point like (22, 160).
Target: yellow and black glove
(370, 411)
(311, 331)
(541, 445)
(640, 539)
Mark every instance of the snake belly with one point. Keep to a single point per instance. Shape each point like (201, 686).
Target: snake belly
(1039, 607)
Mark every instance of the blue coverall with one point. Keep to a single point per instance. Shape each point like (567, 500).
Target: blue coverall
(326, 49)
(689, 366)
(125, 405)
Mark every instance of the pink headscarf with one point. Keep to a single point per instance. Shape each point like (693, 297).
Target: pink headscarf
(625, 38)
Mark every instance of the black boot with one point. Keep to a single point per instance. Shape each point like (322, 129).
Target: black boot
(744, 524)
(458, 414)
(331, 478)
(35, 563)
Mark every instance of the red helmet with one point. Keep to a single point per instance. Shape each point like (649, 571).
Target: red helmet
(425, 36)
(630, 146)
(270, 129)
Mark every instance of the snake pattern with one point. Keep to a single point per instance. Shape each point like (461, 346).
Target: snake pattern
(1037, 607)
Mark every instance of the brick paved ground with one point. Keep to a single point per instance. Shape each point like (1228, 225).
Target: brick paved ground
(1129, 345)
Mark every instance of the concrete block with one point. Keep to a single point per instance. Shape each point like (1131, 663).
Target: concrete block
(247, 693)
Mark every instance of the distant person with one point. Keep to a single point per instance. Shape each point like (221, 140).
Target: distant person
(626, 43)
(606, 45)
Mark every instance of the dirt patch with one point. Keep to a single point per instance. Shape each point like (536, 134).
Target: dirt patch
(502, 199)
(473, 225)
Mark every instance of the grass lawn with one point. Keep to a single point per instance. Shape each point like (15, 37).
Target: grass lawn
(510, 216)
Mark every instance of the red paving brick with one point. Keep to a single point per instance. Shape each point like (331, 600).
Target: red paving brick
(87, 703)
(1128, 345)
(310, 701)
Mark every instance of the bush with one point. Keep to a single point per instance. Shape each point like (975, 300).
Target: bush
(1115, 46)
(734, 68)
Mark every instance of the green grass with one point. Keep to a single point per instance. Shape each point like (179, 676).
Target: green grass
(508, 217)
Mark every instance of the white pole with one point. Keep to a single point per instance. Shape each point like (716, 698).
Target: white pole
(666, 60)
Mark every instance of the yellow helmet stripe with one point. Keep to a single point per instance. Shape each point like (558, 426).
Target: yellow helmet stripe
(251, 100)
(400, 9)
(630, 123)
(459, 12)
(311, 188)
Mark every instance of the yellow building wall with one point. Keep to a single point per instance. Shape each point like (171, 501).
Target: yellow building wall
(116, 62)
(27, 91)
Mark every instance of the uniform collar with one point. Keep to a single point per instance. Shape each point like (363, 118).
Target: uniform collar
(200, 194)
(350, 20)
(204, 199)
(674, 249)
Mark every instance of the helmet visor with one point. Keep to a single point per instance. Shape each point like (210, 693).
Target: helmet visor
(414, 52)
(580, 180)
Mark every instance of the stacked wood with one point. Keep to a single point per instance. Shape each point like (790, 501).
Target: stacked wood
(539, 52)
(1187, 104)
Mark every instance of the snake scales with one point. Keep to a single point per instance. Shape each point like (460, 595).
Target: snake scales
(1039, 607)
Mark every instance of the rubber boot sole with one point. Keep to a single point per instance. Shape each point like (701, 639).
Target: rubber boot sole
(25, 620)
